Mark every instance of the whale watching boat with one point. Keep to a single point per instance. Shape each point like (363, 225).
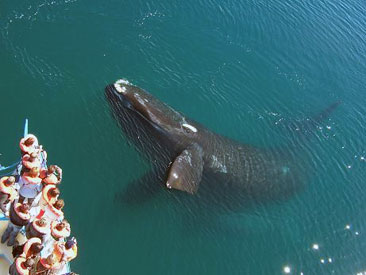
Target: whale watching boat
(6, 257)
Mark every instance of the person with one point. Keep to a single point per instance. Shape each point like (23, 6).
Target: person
(19, 217)
(39, 228)
(8, 193)
(30, 185)
(71, 250)
(51, 175)
(48, 265)
(60, 230)
(54, 212)
(30, 161)
(21, 266)
(50, 195)
(65, 252)
(28, 144)
(30, 249)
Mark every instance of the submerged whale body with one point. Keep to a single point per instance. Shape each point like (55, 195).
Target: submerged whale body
(190, 158)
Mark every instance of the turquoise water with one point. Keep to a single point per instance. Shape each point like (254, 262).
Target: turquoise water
(243, 69)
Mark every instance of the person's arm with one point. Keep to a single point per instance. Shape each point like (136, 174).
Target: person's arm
(59, 173)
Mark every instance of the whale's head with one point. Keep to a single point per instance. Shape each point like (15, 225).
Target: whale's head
(140, 114)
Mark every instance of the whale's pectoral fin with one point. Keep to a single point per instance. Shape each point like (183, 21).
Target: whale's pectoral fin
(186, 171)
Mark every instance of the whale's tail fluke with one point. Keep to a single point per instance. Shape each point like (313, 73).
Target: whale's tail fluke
(308, 126)
(320, 117)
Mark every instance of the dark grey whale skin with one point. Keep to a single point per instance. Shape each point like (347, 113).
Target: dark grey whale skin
(233, 174)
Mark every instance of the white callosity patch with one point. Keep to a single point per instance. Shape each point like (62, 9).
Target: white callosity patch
(119, 85)
(123, 81)
(218, 165)
(120, 89)
(190, 127)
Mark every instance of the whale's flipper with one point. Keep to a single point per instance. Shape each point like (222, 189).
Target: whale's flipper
(186, 171)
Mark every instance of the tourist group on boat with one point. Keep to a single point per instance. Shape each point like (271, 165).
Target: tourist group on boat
(30, 198)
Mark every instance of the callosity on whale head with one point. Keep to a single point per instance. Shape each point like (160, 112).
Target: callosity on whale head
(123, 94)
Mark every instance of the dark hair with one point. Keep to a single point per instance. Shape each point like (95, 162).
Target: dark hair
(17, 250)
(24, 207)
(29, 141)
(41, 222)
(36, 248)
(59, 204)
(54, 192)
(51, 169)
(60, 225)
(69, 244)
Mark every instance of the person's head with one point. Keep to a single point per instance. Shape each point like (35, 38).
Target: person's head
(24, 208)
(60, 226)
(59, 204)
(29, 263)
(36, 248)
(33, 155)
(10, 181)
(34, 172)
(41, 222)
(29, 141)
(51, 169)
(70, 243)
(54, 192)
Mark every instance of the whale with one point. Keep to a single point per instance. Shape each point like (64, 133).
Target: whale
(188, 158)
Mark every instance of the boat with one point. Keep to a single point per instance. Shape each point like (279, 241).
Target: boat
(6, 257)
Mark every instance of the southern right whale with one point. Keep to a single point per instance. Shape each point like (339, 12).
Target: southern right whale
(188, 157)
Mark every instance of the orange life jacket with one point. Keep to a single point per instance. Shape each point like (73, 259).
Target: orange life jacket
(21, 269)
(57, 234)
(9, 190)
(26, 253)
(41, 229)
(53, 213)
(23, 216)
(51, 179)
(48, 178)
(28, 149)
(30, 164)
(45, 198)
